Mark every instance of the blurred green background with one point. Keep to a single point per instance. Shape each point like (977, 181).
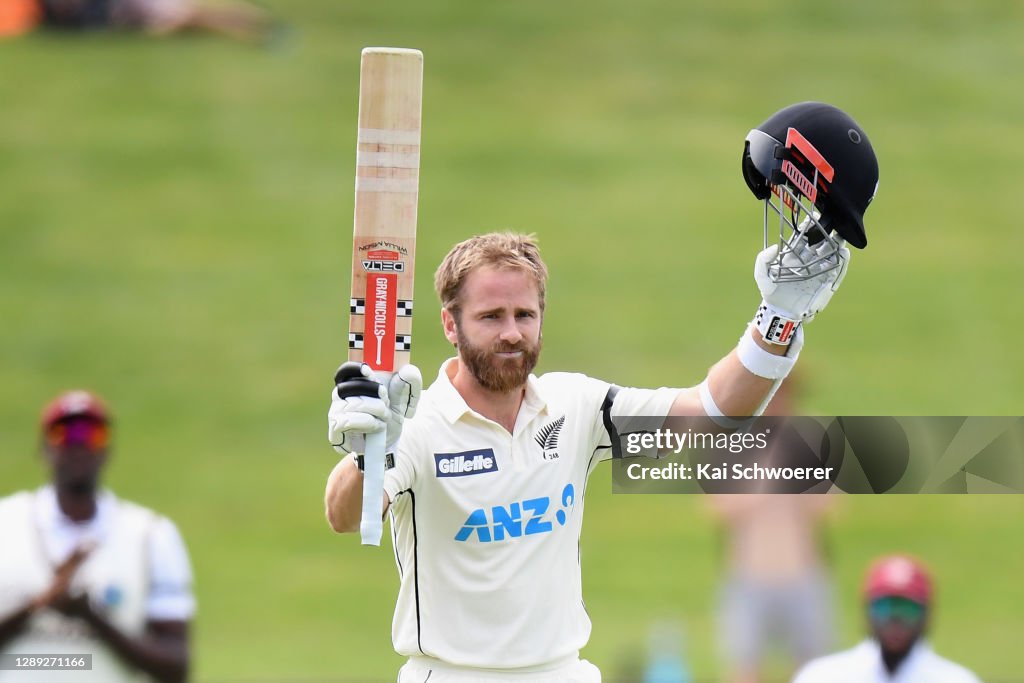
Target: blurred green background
(175, 233)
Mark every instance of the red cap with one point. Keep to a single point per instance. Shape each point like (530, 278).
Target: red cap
(18, 16)
(898, 576)
(76, 403)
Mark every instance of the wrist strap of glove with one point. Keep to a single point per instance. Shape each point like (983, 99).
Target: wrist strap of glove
(767, 365)
(389, 462)
(775, 326)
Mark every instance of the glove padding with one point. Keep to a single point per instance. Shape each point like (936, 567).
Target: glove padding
(803, 299)
(404, 390)
(361, 405)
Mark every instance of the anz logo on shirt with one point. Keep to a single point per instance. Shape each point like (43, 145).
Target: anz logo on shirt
(521, 518)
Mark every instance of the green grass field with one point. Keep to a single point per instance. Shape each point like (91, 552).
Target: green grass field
(175, 226)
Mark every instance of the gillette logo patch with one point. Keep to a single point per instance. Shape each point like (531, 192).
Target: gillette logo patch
(465, 463)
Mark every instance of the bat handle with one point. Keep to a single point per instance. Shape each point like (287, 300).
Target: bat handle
(371, 526)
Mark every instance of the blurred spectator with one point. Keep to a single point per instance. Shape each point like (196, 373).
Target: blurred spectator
(232, 18)
(898, 599)
(83, 572)
(776, 591)
(18, 16)
(665, 660)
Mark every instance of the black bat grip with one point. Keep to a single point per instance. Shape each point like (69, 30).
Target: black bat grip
(349, 381)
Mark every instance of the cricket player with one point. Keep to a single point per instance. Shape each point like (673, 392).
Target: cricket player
(83, 572)
(237, 19)
(490, 463)
(898, 597)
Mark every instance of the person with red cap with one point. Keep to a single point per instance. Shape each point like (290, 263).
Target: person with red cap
(85, 573)
(238, 19)
(898, 597)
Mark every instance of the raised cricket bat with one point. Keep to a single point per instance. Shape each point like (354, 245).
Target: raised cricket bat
(384, 236)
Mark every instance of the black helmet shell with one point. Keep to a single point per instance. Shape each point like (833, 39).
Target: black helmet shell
(842, 143)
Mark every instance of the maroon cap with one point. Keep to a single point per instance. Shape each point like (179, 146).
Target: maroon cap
(75, 403)
(898, 576)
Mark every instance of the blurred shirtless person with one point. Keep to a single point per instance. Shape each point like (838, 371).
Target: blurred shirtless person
(775, 589)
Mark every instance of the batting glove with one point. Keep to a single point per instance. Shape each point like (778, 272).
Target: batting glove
(787, 304)
(361, 405)
(404, 390)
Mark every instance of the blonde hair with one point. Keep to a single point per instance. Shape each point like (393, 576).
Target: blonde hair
(505, 250)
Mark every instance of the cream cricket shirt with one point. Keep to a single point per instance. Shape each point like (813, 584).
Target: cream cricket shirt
(139, 571)
(863, 664)
(486, 524)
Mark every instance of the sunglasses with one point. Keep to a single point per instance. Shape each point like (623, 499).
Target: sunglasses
(896, 609)
(82, 432)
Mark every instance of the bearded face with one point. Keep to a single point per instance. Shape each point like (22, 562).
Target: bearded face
(496, 327)
(500, 366)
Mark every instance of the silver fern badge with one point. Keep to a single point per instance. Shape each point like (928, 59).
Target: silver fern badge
(547, 438)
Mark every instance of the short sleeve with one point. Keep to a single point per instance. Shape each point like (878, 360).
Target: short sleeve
(170, 588)
(631, 402)
(627, 409)
(402, 476)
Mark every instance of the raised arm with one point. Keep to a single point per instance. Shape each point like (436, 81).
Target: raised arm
(816, 172)
(360, 405)
(743, 382)
(736, 390)
(343, 499)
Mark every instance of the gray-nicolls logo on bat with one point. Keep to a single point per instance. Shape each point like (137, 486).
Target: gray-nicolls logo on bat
(547, 438)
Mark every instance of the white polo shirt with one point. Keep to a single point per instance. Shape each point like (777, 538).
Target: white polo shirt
(486, 524)
(863, 664)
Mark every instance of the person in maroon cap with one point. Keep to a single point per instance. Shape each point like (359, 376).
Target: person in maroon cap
(898, 597)
(85, 573)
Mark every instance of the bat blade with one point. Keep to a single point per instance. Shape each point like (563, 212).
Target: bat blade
(384, 236)
(387, 190)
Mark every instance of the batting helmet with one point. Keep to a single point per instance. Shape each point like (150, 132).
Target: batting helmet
(821, 154)
(75, 403)
(898, 576)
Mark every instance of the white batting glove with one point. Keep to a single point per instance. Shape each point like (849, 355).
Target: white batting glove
(803, 299)
(404, 390)
(359, 406)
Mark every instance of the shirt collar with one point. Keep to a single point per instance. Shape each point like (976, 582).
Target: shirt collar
(52, 518)
(917, 651)
(452, 406)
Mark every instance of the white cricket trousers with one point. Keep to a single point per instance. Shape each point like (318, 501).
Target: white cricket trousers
(426, 670)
